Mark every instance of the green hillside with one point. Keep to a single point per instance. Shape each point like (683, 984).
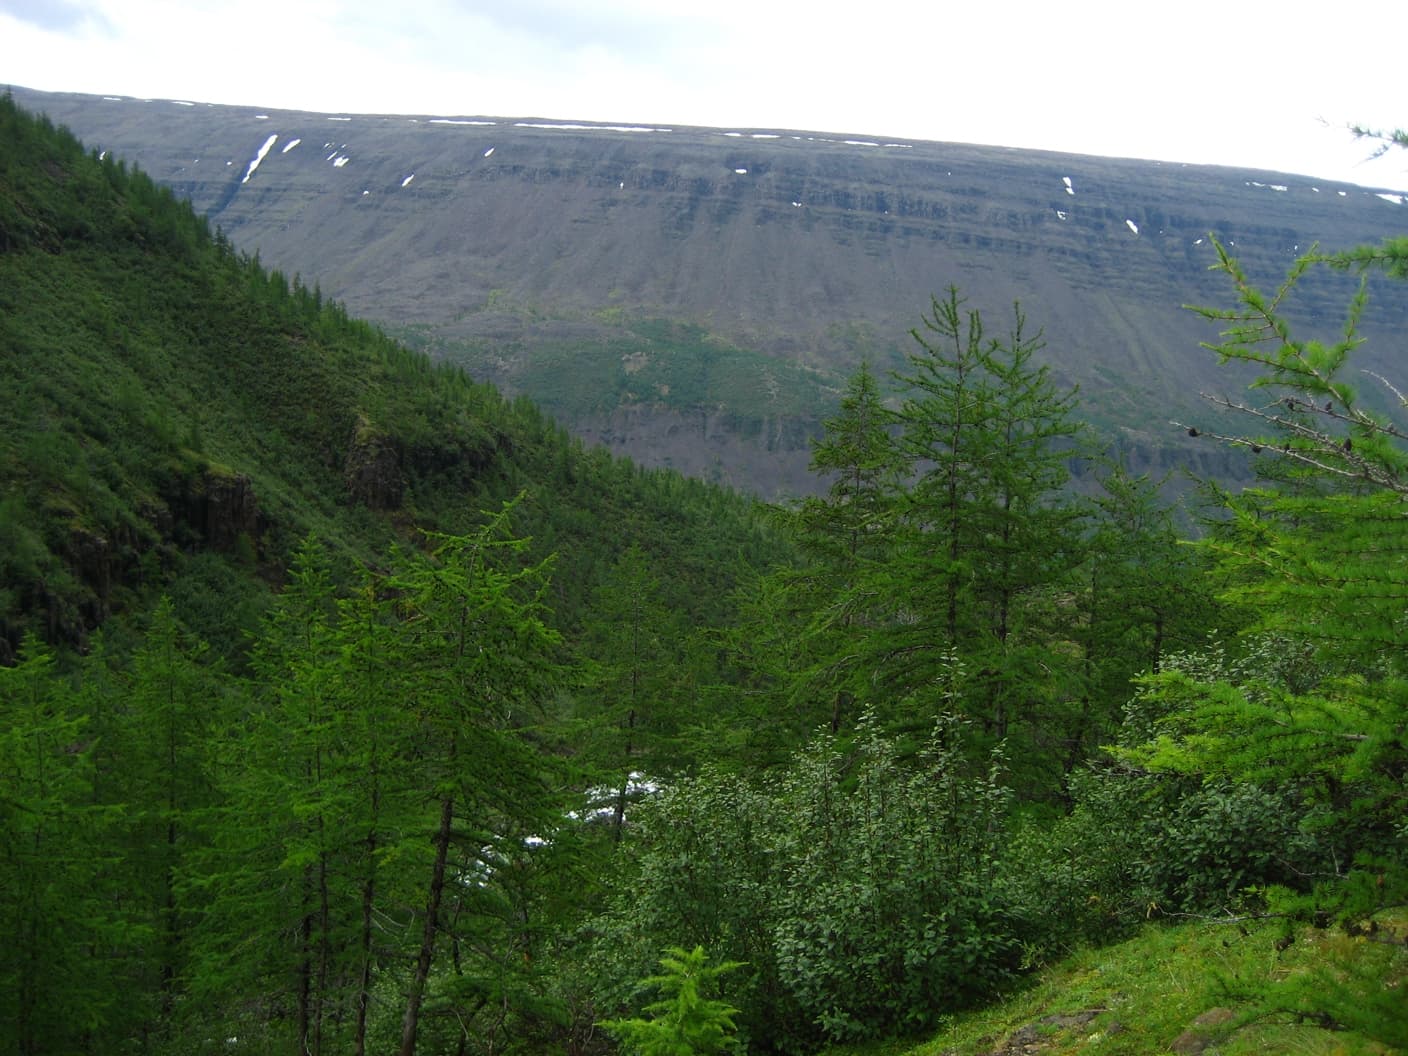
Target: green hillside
(173, 411)
(346, 706)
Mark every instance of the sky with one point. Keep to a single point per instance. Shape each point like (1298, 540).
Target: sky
(1247, 83)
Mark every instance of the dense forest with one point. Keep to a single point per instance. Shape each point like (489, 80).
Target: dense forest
(348, 707)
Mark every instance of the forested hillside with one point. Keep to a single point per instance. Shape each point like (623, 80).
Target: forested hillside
(346, 706)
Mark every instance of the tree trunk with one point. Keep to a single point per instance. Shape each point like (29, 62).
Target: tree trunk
(364, 982)
(432, 916)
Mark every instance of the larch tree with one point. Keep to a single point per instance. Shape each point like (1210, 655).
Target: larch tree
(475, 656)
(848, 533)
(1315, 563)
(65, 977)
(987, 534)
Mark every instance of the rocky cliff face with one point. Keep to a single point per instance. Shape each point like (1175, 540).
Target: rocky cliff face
(491, 240)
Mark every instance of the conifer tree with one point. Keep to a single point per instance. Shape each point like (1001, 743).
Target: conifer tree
(65, 983)
(1312, 564)
(686, 1021)
(173, 704)
(285, 843)
(631, 643)
(986, 533)
(475, 655)
(849, 534)
(1142, 593)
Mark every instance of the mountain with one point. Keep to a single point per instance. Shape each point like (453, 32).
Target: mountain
(695, 297)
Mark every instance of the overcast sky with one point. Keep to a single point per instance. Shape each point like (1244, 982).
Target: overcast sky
(1255, 84)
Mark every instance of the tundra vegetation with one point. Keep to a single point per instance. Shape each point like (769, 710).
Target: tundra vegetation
(349, 707)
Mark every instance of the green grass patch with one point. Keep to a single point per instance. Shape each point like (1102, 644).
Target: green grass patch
(657, 362)
(1236, 988)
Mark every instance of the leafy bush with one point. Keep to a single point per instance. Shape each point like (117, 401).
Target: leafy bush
(1214, 843)
(861, 890)
(1081, 877)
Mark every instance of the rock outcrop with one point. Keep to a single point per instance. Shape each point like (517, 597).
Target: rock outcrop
(372, 469)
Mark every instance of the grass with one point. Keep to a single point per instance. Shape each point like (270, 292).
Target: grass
(646, 361)
(1140, 996)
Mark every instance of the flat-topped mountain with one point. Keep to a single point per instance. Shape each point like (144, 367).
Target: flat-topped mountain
(695, 297)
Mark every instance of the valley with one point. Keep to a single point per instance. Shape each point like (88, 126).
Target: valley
(313, 647)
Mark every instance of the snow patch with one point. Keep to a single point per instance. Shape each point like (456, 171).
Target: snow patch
(268, 145)
(261, 117)
(290, 145)
(365, 193)
(407, 181)
(457, 121)
(766, 135)
(623, 185)
(182, 102)
(797, 205)
(113, 98)
(1064, 179)
(1343, 194)
(588, 128)
(339, 119)
(1396, 199)
(1132, 226)
(1060, 214)
(340, 161)
(734, 135)
(488, 152)
(741, 172)
(860, 143)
